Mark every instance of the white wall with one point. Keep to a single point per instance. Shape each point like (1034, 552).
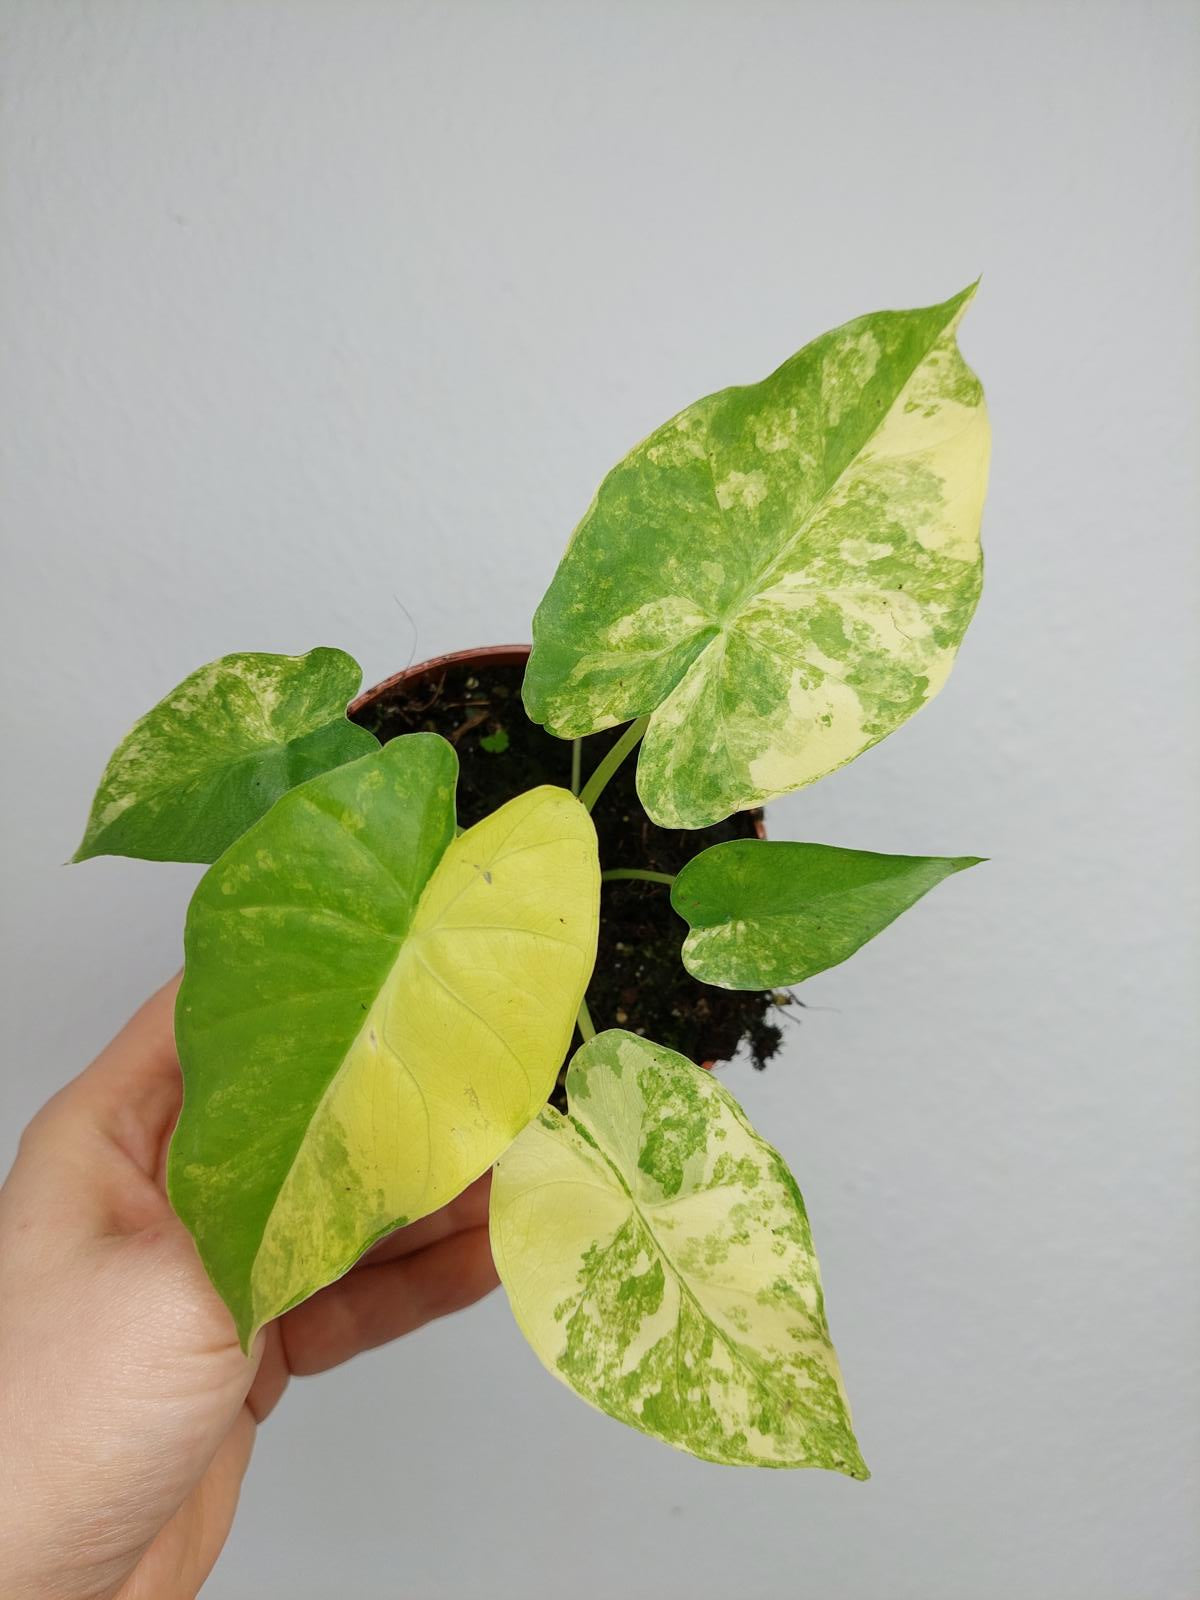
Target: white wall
(318, 314)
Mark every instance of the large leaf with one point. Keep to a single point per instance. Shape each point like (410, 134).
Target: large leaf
(371, 1010)
(217, 753)
(768, 912)
(658, 1258)
(781, 574)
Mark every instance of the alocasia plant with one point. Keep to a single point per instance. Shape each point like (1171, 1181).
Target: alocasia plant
(376, 1004)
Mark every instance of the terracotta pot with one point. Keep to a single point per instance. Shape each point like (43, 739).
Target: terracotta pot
(498, 655)
(484, 656)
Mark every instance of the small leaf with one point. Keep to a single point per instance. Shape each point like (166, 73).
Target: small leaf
(371, 1010)
(219, 750)
(658, 1258)
(781, 574)
(495, 743)
(765, 913)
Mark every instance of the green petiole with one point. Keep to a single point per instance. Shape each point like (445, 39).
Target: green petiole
(595, 786)
(641, 874)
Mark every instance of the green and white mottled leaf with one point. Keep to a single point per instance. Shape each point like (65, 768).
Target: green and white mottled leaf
(216, 754)
(768, 912)
(658, 1258)
(371, 1010)
(781, 574)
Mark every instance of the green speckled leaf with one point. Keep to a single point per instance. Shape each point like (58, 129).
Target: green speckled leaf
(781, 574)
(371, 1010)
(767, 912)
(658, 1258)
(217, 753)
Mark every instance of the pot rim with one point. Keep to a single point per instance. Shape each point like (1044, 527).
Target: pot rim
(507, 655)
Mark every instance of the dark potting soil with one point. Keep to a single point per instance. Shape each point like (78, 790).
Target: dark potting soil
(639, 982)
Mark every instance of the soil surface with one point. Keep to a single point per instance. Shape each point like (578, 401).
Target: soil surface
(639, 981)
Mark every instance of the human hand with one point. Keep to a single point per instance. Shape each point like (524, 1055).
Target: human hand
(127, 1409)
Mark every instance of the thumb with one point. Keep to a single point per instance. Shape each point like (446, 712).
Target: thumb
(96, 1151)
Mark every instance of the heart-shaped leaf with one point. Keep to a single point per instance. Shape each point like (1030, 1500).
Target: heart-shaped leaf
(216, 754)
(781, 574)
(768, 912)
(371, 1010)
(658, 1258)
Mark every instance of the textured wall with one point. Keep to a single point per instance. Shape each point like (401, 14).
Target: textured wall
(319, 316)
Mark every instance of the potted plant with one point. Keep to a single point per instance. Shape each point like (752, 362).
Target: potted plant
(383, 983)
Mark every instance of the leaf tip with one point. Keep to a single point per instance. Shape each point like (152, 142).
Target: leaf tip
(849, 1459)
(956, 307)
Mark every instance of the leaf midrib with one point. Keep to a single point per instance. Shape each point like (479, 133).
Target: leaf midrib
(406, 944)
(737, 1352)
(815, 903)
(731, 613)
(204, 774)
(400, 944)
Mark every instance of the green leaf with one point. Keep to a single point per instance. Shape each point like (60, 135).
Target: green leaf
(765, 912)
(371, 1010)
(781, 574)
(658, 1258)
(216, 754)
(495, 743)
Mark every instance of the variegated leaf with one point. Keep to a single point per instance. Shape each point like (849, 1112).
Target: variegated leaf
(768, 912)
(219, 750)
(658, 1258)
(781, 574)
(371, 1010)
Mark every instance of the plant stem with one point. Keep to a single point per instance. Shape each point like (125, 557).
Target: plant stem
(594, 787)
(584, 1022)
(642, 874)
(576, 761)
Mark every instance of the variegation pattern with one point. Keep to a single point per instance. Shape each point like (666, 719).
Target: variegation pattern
(781, 574)
(219, 750)
(371, 1010)
(768, 912)
(658, 1258)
